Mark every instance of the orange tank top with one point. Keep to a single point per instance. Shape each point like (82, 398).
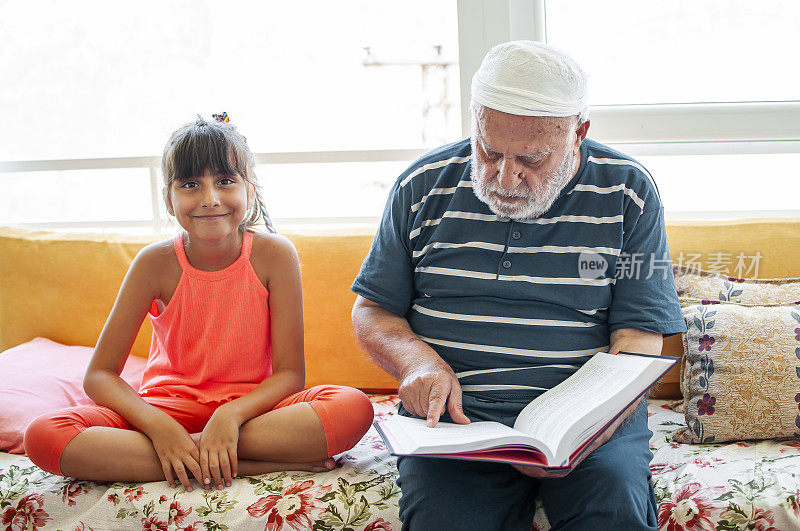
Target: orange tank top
(212, 341)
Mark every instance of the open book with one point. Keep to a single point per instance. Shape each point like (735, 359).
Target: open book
(552, 431)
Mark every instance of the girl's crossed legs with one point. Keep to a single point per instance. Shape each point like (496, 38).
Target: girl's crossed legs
(300, 432)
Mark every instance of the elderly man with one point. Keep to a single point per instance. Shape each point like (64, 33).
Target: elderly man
(500, 266)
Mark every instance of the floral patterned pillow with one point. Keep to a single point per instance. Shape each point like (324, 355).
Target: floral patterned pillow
(742, 373)
(706, 285)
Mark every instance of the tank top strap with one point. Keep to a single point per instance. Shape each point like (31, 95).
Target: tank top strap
(180, 252)
(247, 245)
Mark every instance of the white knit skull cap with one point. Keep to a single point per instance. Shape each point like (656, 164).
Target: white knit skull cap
(529, 78)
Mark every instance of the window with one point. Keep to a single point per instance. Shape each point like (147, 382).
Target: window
(700, 92)
(337, 98)
(726, 186)
(666, 51)
(98, 90)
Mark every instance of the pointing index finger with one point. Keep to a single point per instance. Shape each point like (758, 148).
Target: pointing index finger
(438, 398)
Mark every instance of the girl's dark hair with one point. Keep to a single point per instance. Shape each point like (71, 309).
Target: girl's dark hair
(216, 146)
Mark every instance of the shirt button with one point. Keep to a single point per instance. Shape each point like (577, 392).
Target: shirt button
(506, 263)
(516, 235)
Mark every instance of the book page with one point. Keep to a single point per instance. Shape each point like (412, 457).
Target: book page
(598, 381)
(413, 435)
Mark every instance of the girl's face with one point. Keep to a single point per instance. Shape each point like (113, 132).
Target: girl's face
(211, 206)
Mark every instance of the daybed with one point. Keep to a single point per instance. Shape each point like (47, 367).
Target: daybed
(61, 287)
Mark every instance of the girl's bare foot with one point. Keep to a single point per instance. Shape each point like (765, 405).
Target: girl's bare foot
(251, 468)
(326, 465)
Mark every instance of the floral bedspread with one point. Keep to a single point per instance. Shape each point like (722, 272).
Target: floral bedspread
(742, 485)
(751, 485)
(360, 495)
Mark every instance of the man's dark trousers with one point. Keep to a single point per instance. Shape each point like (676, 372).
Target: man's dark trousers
(609, 490)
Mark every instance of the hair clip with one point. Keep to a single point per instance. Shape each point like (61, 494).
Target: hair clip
(221, 117)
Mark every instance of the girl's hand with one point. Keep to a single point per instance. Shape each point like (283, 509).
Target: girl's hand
(176, 451)
(218, 444)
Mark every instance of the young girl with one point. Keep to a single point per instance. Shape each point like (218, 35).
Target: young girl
(222, 394)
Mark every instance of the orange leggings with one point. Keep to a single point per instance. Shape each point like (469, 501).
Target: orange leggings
(346, 415)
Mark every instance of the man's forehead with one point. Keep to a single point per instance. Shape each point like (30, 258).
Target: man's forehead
(533, 135)
(529, 125)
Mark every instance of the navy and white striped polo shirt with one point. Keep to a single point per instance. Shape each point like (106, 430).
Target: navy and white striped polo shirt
(506, 303)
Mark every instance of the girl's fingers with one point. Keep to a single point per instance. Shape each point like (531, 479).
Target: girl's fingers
(204, 469)
(213, 466)
(194, 468)
(168, 473)
(180, 471)
(234, 458)
(225, 467)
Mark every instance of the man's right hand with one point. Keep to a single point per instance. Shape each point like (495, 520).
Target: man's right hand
(428, 386)
(430, 389)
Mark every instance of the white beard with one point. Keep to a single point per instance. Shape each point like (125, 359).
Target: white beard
(536, 201)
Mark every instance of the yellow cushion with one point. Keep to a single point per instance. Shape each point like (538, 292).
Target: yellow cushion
(329, 263)
(776, 239)
(62, 286)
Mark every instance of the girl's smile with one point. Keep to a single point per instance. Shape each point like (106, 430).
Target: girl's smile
(210, 206)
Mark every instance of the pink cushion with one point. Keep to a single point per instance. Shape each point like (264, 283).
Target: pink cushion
(41, 376)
